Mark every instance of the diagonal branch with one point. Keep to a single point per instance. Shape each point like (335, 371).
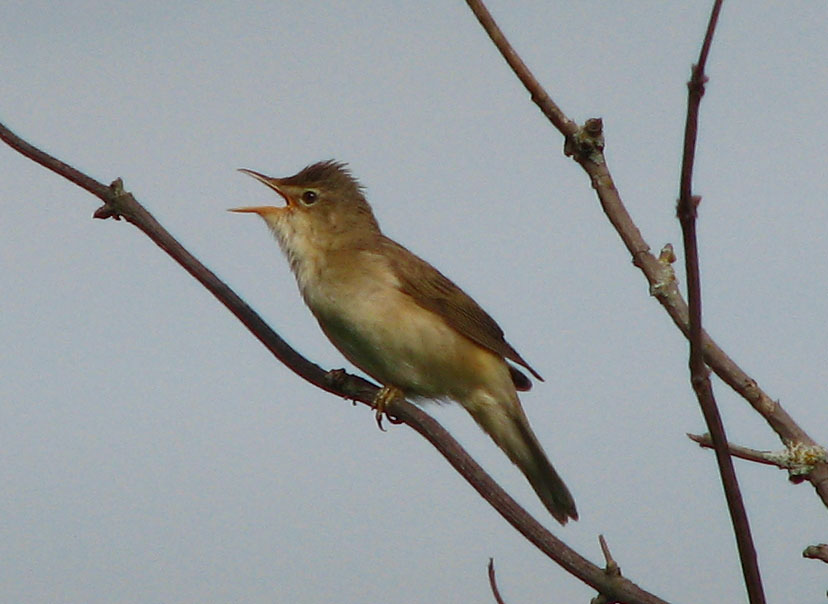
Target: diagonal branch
(586, 149)
(539, 96)
(120, 204)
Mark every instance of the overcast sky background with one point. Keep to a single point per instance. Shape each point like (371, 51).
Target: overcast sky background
(151, 450)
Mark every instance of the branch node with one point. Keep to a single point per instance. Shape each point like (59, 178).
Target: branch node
(337, 378)
(587, 144)
(666, 276)
(667, 255)
(117, 187)
(688, 210)
(697, 80)
(110, 209)
(800, 458)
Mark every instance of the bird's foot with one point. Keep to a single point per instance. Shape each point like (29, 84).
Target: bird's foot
(386, 396)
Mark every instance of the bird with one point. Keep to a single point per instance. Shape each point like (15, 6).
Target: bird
(400, 320)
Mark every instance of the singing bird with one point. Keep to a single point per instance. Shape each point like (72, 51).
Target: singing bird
(399, 319)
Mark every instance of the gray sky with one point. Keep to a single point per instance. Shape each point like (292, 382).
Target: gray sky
(152, 451)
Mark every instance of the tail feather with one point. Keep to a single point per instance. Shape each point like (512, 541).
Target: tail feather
(544, 479)
(507, 425)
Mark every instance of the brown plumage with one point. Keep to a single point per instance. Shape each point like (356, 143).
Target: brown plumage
(400, 320)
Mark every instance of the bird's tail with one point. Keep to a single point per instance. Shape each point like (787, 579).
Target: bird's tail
(508, 427)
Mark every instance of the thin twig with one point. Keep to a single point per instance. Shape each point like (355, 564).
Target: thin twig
(539, 95)
(755, 455)
(119, 203)
(611, 566)
(659, 274)
(699, 375)
(798, 459)
(493, 583)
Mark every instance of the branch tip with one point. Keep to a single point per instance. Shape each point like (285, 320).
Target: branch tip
(493, 583)
(611, 568)
(117, 187)
(816, 552)
(106, 211)
(667, 255)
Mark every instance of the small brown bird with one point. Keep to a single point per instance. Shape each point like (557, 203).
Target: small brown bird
(399, 319)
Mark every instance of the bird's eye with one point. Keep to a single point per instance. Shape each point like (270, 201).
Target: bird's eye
(309, 197)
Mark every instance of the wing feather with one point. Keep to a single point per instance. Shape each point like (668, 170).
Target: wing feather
(435, 292)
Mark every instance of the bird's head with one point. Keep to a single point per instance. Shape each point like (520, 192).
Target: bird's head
(324, 204)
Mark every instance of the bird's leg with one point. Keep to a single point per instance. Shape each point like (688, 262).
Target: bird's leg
(383, 398)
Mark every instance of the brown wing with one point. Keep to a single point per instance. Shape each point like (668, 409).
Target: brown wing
(435, 292)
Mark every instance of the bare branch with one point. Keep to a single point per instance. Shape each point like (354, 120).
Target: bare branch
(658, 273)
(699, 374)
(119, 203)
(539, 96)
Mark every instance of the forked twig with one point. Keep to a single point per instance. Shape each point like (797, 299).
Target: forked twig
(657, 270)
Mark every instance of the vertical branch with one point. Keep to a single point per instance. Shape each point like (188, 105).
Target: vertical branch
(699, 374)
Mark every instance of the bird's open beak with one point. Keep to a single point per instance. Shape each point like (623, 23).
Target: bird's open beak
(260, 210)
(272, 183)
